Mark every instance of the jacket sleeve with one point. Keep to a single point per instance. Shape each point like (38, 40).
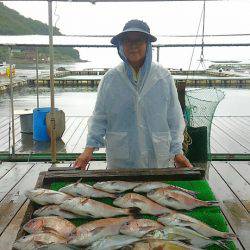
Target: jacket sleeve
(175, 120)
(97, 123)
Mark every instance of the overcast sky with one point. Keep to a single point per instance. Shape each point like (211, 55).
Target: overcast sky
(164, 18)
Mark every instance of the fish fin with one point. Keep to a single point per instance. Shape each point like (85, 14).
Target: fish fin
(52, 193)
(116, 195)
(84, 201)
(222, 243)
(230, 235)
(186, 241)
(136, 201)
(146, 228)
(172, 199)
(50, 230)
(213, 203)
(97, 230)
(39, 243)
(79, 181)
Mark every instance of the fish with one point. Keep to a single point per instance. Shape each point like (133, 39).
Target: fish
(145, 205)
(177, 199)
(43, 196)
(95, 230)
(184, 234)
(85, 190)
(54, 210)
(50, 224)
(58, 247)
(95, 209)
(113, 242)
(183, 220)
(148, 186)
(33, 241)
(139, 227)
(162, 245)
(116, 186)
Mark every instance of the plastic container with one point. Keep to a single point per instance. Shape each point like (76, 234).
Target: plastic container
(39, 124)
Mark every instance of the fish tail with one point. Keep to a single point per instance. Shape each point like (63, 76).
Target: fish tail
(116, 195)
(229, 235)
(222, 243)
(193, 193)
(134, 211)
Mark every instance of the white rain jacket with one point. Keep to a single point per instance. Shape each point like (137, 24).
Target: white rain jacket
(142, 129)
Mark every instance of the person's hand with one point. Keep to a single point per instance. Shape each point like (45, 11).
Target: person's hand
(182, 162)
(84, 158)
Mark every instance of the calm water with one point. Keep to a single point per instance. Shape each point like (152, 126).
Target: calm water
(80, 101)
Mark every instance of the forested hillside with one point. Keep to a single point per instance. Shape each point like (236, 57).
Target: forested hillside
(12, 23)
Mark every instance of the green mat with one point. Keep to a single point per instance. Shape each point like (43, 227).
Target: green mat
(210, 215)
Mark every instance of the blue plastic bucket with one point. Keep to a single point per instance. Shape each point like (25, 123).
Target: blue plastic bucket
(39, 124)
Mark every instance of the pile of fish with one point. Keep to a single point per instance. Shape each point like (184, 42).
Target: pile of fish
(51, 228)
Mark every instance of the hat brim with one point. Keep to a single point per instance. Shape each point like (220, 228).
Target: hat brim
(118, 37)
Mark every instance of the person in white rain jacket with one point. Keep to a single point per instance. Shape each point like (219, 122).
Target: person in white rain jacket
(137, 114)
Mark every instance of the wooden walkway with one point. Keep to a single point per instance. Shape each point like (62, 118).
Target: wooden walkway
(229, 135)
(230, 182)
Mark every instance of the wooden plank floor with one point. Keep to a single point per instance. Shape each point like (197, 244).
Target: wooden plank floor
(228, 135)
(228, 180)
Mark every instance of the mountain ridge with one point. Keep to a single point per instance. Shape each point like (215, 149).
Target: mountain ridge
(13, 23)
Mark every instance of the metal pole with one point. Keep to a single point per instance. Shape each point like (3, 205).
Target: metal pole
(37, 93)
(52, 97)
(158, 54)
(12, 107)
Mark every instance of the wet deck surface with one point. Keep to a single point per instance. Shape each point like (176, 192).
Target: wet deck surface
(229, 135)
(230, 182)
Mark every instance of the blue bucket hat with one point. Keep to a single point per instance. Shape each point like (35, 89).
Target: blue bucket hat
(134, 25)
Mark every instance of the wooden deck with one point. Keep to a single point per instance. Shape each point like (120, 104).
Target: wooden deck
(229, 135)
(230, 182)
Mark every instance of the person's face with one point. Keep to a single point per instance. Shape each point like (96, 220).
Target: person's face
(134, 46)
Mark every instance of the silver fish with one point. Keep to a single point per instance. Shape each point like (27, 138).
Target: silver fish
(146, 205)
(183, 220)
(148, 186)
(115, 186)
(33, 241)
(113, 242)
(54, 210)
(45, 196)
(85, 190)
(162, 245)
(184, 234)
(91, 208)
(50, 224)
(177, 199)
(95, 230)
(139, 227)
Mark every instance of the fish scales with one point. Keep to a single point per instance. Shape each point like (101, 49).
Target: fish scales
(85, 190)
(43, 196)
(139, 227)
(33, 241)
(116, 186)
(95, 230)
(146, 205)
(54, 210)
(184, 234)
(183, 220)
(177, 199)
(91, 208)
(50, 224)
(149, 186)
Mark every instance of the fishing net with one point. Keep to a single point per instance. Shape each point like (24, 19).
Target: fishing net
(200, 108)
